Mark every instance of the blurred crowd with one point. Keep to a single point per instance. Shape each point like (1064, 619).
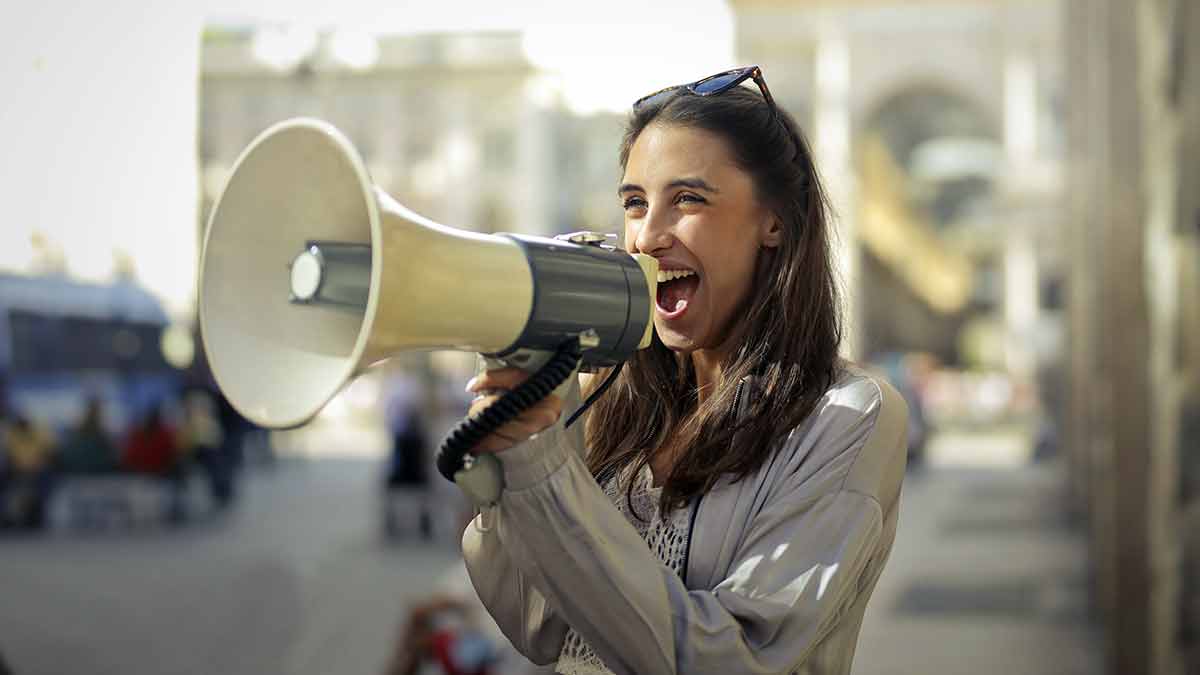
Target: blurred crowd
(92, 467)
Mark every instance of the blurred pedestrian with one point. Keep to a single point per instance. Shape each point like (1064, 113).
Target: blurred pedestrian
(152, 449)
(30, 455)
(407, 481)
(203, 440)
(88, 448)
(5, 469)
(236, 430)
(151, 446)
(452, 630)
(441, 633)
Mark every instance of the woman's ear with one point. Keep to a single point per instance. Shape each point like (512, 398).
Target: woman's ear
(771, 233)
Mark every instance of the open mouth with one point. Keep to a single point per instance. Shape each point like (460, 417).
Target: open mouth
(676, 288)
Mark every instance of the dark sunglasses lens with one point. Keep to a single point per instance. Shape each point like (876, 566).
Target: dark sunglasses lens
(718, 83)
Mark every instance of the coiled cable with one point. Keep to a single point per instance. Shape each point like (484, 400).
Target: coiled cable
(474, 428)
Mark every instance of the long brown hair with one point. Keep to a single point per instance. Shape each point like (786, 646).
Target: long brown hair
(790, 331)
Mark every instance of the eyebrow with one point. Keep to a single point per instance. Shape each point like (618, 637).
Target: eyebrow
(688, 182)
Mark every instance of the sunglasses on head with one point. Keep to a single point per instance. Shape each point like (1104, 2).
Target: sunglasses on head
(713, 84)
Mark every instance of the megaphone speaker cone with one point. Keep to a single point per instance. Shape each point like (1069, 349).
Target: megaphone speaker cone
(429, 286)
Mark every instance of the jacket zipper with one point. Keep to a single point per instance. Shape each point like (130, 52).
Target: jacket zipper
(687, 552)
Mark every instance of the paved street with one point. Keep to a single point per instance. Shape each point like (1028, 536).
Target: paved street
(295, 581)
(985, 578)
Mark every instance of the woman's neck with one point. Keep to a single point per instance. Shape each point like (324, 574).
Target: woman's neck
(707, 366)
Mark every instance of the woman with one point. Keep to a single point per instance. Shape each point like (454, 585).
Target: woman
(736, 496)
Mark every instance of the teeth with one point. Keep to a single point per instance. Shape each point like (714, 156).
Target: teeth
(670, 275)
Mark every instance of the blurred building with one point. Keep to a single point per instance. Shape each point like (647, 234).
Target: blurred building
(938, 127)
(462, 128)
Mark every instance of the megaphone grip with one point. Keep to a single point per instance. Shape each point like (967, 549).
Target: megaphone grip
(473, 429)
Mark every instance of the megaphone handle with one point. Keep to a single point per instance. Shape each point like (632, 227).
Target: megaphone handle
(549, 378)
(482, 476)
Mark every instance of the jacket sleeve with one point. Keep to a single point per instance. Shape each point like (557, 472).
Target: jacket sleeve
(798, 567)
(518, 608)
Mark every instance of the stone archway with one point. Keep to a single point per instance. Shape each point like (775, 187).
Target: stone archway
(926, 160)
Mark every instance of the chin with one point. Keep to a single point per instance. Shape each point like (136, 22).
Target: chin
(676, 341)
(682, 348)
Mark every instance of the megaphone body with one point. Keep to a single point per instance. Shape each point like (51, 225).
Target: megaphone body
(310, 274)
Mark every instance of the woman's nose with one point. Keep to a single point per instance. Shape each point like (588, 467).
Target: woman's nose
(655, 234)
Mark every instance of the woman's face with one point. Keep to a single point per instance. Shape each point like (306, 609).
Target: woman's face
(689, 205)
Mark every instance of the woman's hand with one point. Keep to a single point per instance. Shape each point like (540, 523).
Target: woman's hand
(491, 385)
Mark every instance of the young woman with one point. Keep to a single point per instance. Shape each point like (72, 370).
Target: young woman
(735, 497)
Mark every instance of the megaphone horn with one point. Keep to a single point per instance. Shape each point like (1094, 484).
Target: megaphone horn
(310, 274)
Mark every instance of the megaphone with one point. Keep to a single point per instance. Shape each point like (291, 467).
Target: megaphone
(310, 274)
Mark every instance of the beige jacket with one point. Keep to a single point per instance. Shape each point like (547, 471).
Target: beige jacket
(780, 564)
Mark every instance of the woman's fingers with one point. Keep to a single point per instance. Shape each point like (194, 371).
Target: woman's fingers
(540, 416)
(501, 378)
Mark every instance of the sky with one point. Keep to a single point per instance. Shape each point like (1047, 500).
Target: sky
(100, 104)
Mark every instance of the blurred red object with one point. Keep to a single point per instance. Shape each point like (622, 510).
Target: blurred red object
(151, 447)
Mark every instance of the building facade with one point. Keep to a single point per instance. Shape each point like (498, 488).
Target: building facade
(461, 128)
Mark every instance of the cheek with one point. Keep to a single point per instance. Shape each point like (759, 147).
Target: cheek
(734, 274)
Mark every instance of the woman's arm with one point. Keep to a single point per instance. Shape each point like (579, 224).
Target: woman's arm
(799, 567)
(518, 608)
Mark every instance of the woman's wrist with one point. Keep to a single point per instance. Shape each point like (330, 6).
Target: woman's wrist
(536, 459)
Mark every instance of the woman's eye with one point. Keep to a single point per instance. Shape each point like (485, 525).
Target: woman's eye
(633, 203)
(688, 198)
